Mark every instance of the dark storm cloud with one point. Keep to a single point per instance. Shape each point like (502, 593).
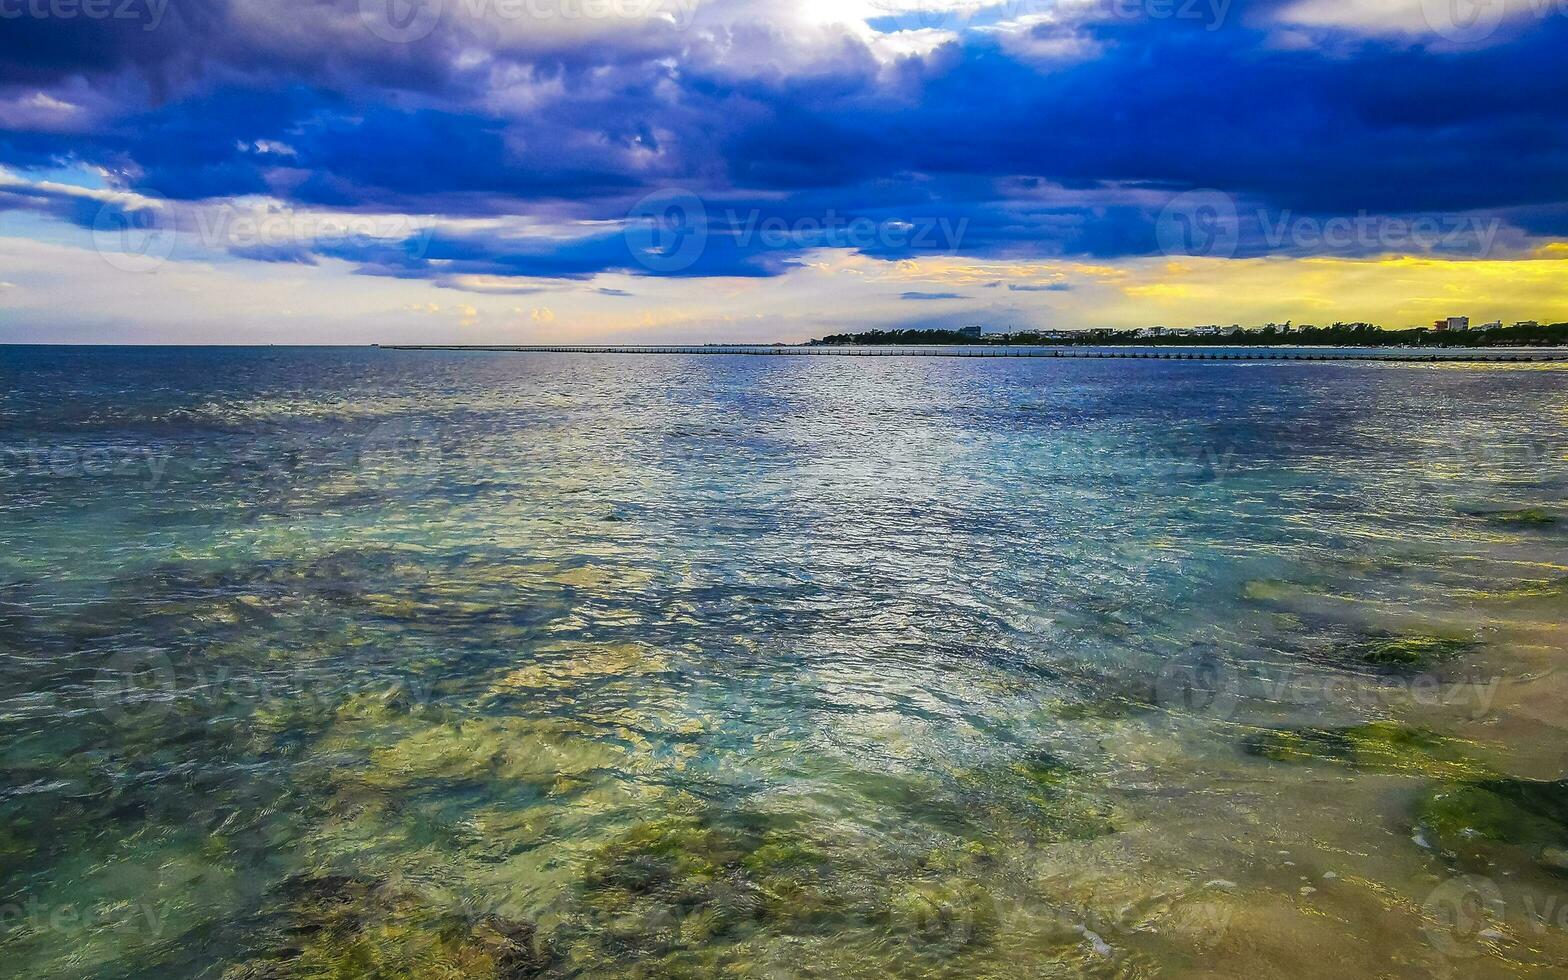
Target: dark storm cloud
(979, 146)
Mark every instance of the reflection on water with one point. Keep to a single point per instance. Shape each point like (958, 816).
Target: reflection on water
(349, 663)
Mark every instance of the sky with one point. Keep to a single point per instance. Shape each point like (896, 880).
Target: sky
(623, 171)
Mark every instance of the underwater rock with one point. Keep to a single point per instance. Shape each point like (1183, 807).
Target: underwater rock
(686, 861)
(1556, 588)
(949, 913)
(590, 578)
(1099, 697)
(702, 890)
(1108, 708)
(1521, 517)
(572, 665)
(1270, 591)
(325, 903)
(332, 925)
(515, 948)
(1064, 803)
(664, 879)
(394, 701)
(1491, 821)
(701, 880)
(1406, 651)
(549, 754)
(1379, 746)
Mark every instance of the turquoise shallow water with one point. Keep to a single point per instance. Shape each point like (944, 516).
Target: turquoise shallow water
(329, 663)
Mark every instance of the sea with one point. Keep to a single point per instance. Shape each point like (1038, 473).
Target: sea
(345, 662)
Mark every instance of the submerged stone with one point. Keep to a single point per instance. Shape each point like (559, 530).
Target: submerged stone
(573, 665)
(1300, 745)
(1110, 708)
(1379, 746)
(1556, 588)
(665, 884)
(334, 925)
(1521, 517)
(393, 701)
(545, 753)
(1407, 651)
(1269, 591)
(945, 912)
(1491, 821)
(1040, 797)
(514, 946)
(675, 851)
(703, 890)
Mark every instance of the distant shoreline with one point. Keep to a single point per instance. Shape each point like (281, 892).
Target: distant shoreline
(1383, 355)
(1524, 334)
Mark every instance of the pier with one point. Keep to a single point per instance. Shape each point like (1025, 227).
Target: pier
(1397, 356)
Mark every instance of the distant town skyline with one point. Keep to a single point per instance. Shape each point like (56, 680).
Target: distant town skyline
(1448, 331)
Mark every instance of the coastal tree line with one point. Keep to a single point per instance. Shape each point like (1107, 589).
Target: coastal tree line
(1357, 335)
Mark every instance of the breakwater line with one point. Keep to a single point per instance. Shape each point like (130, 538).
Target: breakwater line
(1293, 354)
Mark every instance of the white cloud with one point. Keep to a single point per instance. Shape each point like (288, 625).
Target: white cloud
(1453, 22)
(268, 148)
